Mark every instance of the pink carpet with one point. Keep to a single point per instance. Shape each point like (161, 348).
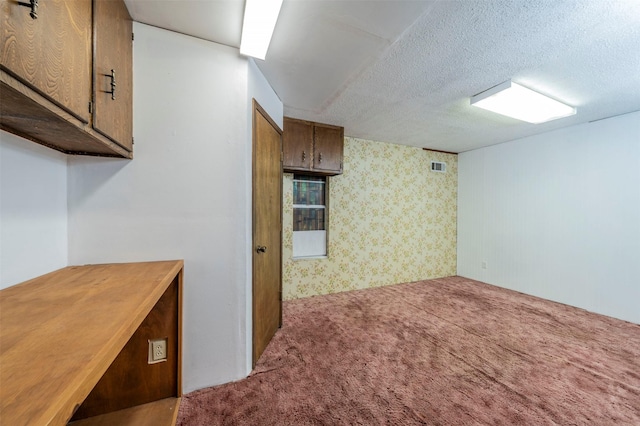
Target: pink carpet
(449, 351)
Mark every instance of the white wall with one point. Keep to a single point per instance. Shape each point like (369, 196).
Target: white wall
(260, 90)
(557, 215)
(187, 193)
(33, 210)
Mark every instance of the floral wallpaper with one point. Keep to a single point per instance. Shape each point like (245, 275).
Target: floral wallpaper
(391, 220)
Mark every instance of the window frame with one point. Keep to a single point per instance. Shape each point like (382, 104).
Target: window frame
(310, 245)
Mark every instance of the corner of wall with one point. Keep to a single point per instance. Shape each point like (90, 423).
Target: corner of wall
(391, 220)
(555, 215)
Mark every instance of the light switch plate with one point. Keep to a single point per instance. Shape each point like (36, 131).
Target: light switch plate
(157, 350)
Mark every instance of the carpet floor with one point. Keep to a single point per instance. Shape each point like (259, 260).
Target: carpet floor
(449, 351)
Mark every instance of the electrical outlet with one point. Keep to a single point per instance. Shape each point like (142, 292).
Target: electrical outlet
(484, 265)
(157, 350)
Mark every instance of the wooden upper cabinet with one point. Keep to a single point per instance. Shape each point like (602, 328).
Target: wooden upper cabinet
(297, 144)
(113, 64)
(328, 148)
(56, 79)
(312, 148)
(51, 54)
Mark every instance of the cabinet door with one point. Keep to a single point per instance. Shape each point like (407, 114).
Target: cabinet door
(51, 54)
(328, 148)
(297, 144)
(113, 39)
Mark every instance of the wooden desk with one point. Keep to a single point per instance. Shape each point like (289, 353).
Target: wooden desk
(76, 341)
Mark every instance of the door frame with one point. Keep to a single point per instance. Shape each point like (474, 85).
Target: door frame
(257, 109)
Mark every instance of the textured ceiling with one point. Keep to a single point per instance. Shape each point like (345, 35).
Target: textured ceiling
(403, 71)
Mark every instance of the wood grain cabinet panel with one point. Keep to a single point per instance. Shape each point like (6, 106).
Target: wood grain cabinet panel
(51, 54)
(312, 148)
(297, 144)
(55, 75)
(328, 148)
(130, 380)
(113, 34)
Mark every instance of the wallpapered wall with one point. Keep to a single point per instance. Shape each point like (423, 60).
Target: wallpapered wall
(391, 220)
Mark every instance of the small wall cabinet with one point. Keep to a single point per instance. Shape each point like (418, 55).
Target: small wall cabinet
(66, 75)
(75, 346)
(312, 148)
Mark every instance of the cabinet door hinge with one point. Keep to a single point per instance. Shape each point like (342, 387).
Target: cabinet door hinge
(90, 107)
(133, 140)
(281, 157)
(133, 36)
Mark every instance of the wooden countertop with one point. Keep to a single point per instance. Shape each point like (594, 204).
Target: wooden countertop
(60, 332)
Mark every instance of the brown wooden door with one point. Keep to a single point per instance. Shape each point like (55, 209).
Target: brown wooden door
(51, 54)
(267, 230)
(328, 147)
(297, 144)
(113, 38)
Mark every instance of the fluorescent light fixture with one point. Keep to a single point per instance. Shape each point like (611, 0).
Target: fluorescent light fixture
(524, 104)
(260, 17)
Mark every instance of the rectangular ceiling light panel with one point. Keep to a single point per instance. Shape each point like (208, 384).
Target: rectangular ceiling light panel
(524, 104)
(260, 17)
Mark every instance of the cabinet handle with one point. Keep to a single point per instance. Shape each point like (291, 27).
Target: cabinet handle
(33, 4)
(304, 156)
(113, 84)
(320, 158)
(261, 249)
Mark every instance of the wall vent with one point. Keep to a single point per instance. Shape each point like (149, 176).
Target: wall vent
(437, 166)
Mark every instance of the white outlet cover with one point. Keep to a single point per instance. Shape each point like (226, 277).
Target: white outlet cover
(157, 350)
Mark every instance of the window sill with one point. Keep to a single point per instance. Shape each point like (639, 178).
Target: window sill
(309, 258)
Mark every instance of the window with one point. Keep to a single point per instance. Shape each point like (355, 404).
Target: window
(309, 216)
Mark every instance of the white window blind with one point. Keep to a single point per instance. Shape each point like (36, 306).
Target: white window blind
(309, 216)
